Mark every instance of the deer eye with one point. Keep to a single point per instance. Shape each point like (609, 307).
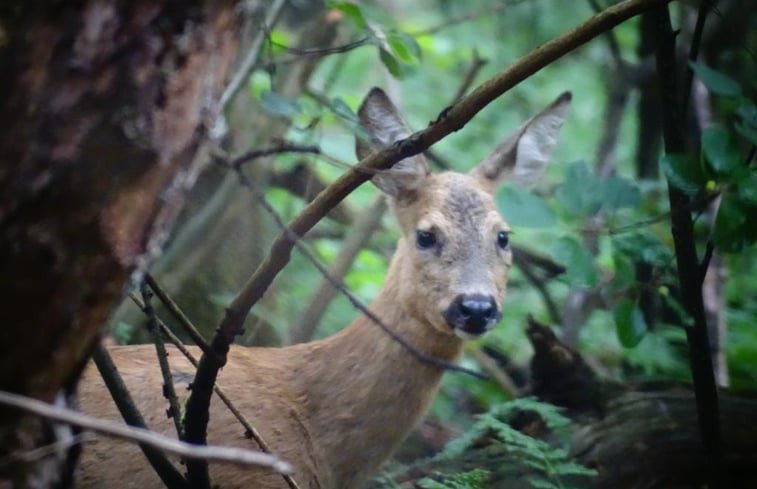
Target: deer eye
(425, 239)
(503, 238)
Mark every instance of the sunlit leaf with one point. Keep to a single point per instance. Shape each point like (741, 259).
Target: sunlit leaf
(579, 194)
(404, 47)
(716, 81)
(578, 260)
(619, 192)
(630, 323)
(390, 62)
(684, 173)
(352, 11)
(522, 208)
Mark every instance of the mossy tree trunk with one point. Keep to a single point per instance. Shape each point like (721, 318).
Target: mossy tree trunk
(103, 106)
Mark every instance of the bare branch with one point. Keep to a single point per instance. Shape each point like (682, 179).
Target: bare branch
(282, 148)
(250, 431)
(226, 455)
(174, 408)
(129, 412)
(499, 375)
(365, 224)
(177, 313)
(252, 57)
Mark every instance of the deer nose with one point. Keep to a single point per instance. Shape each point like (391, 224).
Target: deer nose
(473, 314)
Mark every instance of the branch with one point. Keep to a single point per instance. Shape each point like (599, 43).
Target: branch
(131, 415)
(689, 275)
(364, 226)
(252, 57)
(226, 455)
(470, 75)
(282, 148)
(174, 408)
(250, 431)
(451, 120)
(177, 313)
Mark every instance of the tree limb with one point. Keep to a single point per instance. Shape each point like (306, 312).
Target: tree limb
(143, 436)
(689, 273)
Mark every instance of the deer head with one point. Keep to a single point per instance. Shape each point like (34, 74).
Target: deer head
(454, 255)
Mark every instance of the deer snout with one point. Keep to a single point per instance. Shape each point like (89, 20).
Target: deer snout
(472, 315)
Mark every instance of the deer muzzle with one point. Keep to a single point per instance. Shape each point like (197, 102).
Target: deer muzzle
(472, 315)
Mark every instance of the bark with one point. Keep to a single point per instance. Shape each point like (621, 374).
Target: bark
(104, 104)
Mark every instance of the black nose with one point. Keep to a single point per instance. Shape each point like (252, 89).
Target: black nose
(472, 313)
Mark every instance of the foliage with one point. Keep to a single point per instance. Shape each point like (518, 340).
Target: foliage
(548, 461)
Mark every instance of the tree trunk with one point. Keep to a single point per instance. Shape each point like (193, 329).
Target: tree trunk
(104, 104)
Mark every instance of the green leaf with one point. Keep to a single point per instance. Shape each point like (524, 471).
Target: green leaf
(747, 187)
(749, 132)
(630, 323)
(578, 193)
(720, 150)
(391, 63)
(684, 173)
(404, 47)
(732, 228)
(643, 245)
(578, 260)
(618, 193)
(522, 208)
(716, 81)
(747, 126)
(277, 104)
(352, 11)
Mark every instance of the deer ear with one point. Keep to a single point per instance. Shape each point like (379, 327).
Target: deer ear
(523, 157)
(381, 120)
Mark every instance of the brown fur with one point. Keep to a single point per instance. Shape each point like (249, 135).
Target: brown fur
(339, 407)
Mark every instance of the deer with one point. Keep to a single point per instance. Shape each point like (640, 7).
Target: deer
(339, 407)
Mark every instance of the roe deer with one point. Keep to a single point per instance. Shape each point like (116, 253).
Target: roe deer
(339, 407)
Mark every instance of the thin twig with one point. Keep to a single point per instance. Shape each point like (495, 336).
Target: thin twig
(696, 40)
(324, 51)
(539, 283)
(499, 375)
(470, 75)
(252, 57)
(174, 408)
(131, 415)
(363, 227)
(451, 120)
(250, 431)
(226, 455)
(262, 153)
(178, 314)
(466, 17)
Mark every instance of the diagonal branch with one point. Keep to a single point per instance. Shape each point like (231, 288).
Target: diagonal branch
(452, 119)
(145, 437)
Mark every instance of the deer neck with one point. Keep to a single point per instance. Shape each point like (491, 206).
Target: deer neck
(368, 391)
